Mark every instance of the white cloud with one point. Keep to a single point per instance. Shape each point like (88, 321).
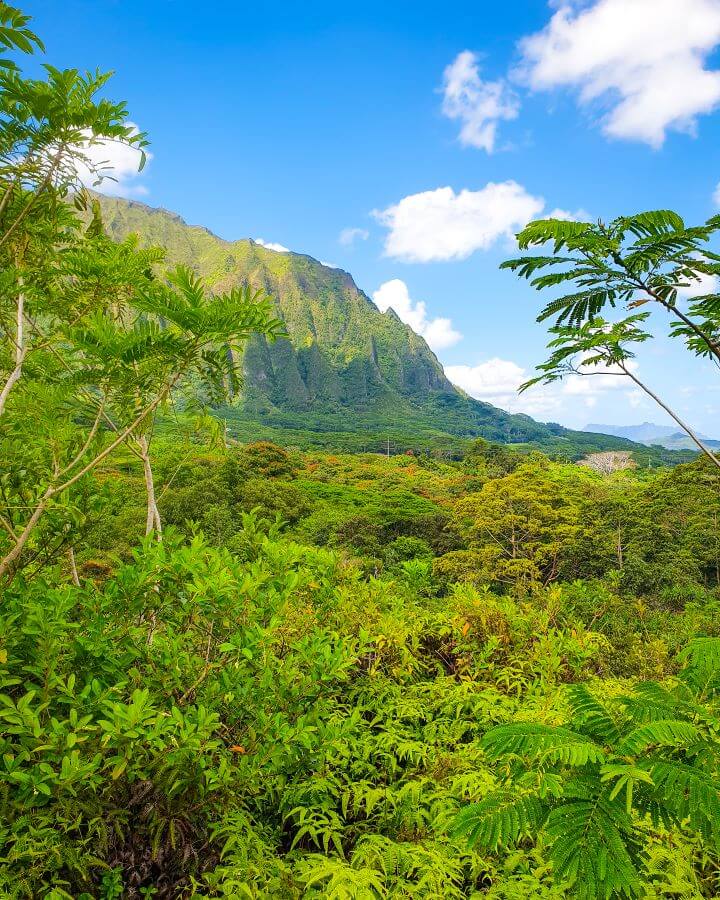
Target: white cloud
(707, 284)
(439, 333)
(328, 265)
(348, 236)
(645, 59)
(115, 160)
(497, 381)
(442, 225)
(580, 215)
(716, 195)
(269, 245)
(596, 380)
(491, 379)
(478, 104)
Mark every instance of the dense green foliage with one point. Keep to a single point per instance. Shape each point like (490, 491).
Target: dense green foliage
(582, 788)
(243, 670)
(322, 707)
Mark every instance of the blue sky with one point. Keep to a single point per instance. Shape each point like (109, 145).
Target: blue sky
(406, 142)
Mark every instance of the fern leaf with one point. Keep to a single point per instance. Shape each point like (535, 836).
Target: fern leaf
(499, 819)
(660, 733)
(594, 717)
(654, 222)
(691, 793)
(546, 743)
(702, 662)
(587, 843)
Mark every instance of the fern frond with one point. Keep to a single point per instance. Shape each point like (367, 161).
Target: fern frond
(546, 743)
(651, 702)
(702, 662)
(659, 733)
(561, 232)
(652, 223)
(691, 793)
(500, 819)
(587, 842)
(525, 266)
(574, 308)
(594, 717)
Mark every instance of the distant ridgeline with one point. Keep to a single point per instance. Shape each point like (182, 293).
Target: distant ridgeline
(349, 377)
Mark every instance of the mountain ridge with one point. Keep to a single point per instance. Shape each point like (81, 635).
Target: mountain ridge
(346, 366)
(651, 434)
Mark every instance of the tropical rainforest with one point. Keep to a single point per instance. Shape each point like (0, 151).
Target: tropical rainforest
(284, 614)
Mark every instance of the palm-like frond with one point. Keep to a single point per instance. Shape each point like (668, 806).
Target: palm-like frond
(659, 733)
(587, 841)
(633, 260)
(702, 664)
(652, 752)
(546, 744)
(691, 792)
(500, 819)
(593, 717)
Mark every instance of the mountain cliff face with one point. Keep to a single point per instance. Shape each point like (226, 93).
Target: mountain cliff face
(342, 350)
(346, 366)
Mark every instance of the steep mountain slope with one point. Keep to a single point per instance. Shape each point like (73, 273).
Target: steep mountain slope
(346, 367)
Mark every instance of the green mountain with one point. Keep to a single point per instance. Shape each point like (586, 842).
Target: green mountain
(651, 434)
(349, 375)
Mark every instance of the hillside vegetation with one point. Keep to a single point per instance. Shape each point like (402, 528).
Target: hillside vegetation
(244, 669)
(296, 694)
(342, 355)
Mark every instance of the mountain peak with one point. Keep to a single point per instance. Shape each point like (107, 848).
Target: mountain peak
(347, 366)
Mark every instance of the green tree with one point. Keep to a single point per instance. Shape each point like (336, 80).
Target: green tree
(583, 789)
(125, 374)
(93, 344)
(519, 526)
(643, 260)
(48, 130)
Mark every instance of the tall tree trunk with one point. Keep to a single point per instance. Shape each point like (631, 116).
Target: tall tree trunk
(686, 428)
(20, 350)
(152, 519)
(73, 566)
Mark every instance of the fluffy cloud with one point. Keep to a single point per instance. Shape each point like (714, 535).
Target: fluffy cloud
(269, 245)
(497, 381)
(479, 105)
(645, 58)
(348, 236)
(442, 225)
(707, 284)
(117, 162)
(580, 215)
(596, 380)
(716, 195)
(491, 380)
(439, 332)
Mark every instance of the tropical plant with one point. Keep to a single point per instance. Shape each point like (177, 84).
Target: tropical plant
(650, 259)
(584, 790)
(114, 376)
(93, 344)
